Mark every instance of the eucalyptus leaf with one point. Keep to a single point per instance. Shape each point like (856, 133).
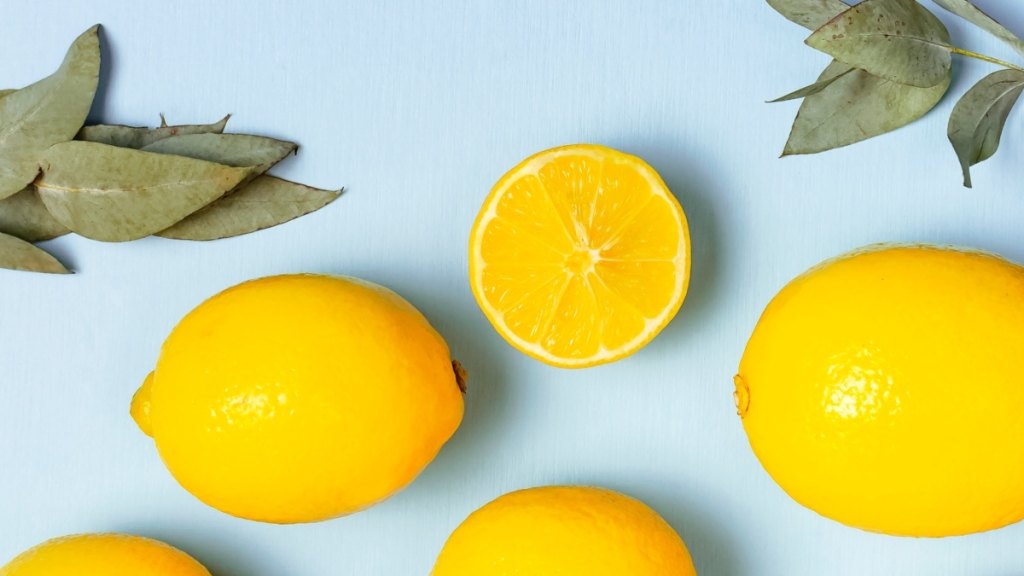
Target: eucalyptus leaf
(856, 107)
(976, 124)
(117, 194)
(141, 136)
(47, 112)
(813, 88)
(239, 150)
(974, 15)
(16, 254)
(265, 202)
(7, 91)
(24, 215)
(898, 40)
(811, 14)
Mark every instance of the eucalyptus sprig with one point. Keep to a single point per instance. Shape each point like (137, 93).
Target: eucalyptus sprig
(118, 183)
(892, 64)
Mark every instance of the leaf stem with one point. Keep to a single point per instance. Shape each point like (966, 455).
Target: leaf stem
(983, 57)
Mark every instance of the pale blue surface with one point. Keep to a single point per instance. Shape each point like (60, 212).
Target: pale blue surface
(417, 108)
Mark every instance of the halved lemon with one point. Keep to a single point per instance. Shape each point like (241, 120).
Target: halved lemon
(580, 255)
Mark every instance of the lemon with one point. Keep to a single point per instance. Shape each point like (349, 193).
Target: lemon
(883, 390)
(103, 555)
(300, 398)
(580, 256)
(564, 530)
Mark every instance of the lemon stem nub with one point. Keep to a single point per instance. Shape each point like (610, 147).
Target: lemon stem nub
(741, 396)
(141, 406)
(461, 376)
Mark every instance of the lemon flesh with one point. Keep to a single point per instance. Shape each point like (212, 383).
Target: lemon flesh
(580, 256)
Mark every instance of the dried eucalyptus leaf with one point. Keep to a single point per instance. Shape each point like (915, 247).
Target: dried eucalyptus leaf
(16, 254)
(47, 112)
(898, 40)
(239, 150)
(856, 107)
(265, 202)
(977, 121)
(811, 14)
(141, 136)
(24, 215)
(974, 15)
(813, 88)
(117, 194)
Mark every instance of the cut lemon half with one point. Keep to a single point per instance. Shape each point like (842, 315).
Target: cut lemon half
(580, 255)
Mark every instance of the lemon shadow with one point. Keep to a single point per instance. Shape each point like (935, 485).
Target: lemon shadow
(712, 550)
(211, 548)
(695, 192)
(99, 102)
(489, 404)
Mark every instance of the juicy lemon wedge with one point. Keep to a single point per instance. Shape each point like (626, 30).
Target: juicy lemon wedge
(580, 255)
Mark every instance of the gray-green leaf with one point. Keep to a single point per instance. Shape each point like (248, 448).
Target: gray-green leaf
(7, 91)
(898, 40)
(266, 201)
(239, 150)
(49, 111)
(813, 88)
(977, 121)
(141, 136)
(974, 15)
(117, 194)
(811, 14)
(856, 107)
(16, 254)
(24, 215)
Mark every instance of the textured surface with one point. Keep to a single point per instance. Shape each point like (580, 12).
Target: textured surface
(418, 108)
(883, 390)
(569, 531)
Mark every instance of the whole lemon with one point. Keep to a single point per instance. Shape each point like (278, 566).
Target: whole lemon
(103, 555)
(883, 389)
(565, 530)
(300, 398)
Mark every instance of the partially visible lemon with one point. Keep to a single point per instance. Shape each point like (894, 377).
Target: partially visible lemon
(564, 530)
(103, 555)
(580, 256)
(883, 389)
(300, 398)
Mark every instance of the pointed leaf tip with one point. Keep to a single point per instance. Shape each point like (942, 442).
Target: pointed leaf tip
(17, 254)
(811, 89)
(976, 124)
(45, 113)
(265, 202)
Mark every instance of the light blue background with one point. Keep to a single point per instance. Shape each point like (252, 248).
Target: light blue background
(417, 108)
